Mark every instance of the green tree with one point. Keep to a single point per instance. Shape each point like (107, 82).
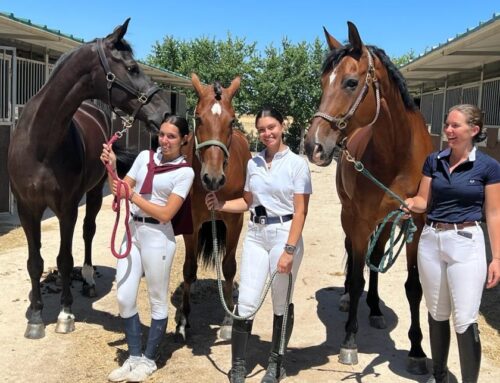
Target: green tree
(404, 59)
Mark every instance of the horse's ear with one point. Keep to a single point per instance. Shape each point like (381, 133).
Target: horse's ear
(354, 38)
(235, 84)
(119, 32)
(331, 41)
(195, 80)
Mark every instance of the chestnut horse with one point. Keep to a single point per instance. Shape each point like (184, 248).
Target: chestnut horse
(366, 110)
(53, 158)
(219, 155)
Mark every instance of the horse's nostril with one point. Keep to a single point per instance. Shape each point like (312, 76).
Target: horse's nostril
(222, 180)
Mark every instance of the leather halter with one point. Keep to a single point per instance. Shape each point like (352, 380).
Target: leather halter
(111, 80)
(371, 78)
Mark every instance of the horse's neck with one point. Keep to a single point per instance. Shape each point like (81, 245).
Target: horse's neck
(58, 100)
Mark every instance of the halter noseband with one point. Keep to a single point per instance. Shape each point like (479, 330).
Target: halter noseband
(198, 145)
(111, 79)
(342, 120)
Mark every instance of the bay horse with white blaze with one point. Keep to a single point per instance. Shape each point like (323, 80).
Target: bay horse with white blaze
(218, 154)
(366, 110)
(53, 158)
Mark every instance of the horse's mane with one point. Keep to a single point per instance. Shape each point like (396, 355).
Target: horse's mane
(121, 45)
(334, 57)
(217, 90)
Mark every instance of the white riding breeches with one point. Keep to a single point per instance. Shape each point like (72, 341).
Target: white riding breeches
(262, 248)
(452, 269)
(152, 253)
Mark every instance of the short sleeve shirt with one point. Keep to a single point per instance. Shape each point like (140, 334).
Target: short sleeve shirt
(274, 188)
(178, 181)
(459, 196)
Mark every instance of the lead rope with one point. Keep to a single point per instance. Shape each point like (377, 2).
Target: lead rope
(408, 228)
(218, 261)
(117, 200)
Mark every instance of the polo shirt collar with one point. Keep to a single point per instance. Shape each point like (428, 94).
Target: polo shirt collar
(447, 153)
(277, 156)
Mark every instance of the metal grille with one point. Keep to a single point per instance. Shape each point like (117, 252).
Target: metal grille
(30, 78)
(491, 102)
(470, 95)
(437, 113)
(5, 86)
(453, 97)
(426, 107)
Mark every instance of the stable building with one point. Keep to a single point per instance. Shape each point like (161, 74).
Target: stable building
(463, 70)
(28, 53)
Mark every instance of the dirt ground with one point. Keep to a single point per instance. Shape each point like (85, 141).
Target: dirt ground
(97, 344)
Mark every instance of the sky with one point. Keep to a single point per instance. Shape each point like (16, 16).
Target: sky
(395, 26)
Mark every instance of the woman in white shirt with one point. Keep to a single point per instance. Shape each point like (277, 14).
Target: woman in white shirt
(160, 182)
(277, 190)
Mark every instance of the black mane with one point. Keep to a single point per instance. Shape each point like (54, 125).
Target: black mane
(218, 90)
(333, 58)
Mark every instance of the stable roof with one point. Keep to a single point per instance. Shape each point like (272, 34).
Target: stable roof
(40, 39)
(460, 58)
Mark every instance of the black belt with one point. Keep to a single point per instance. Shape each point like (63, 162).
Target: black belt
(144, 219)
(450, 226)
(265, 220)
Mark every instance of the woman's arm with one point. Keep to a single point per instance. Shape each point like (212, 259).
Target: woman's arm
(418, 203)
(300, 204)
(238, 205)
(161, 213)
(492, 210)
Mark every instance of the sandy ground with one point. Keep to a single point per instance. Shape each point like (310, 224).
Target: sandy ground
(97, 345)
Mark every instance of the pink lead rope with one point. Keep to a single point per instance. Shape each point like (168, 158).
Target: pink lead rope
(116, 205)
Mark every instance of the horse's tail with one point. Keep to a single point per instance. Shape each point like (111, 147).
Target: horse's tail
(206, 243)
(124, 159)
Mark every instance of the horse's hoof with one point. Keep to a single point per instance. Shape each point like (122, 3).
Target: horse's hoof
(344, 303)
(225, 332)
(180, 334)
(35, 331)
(417, 366)
(348, 356)
(378, 321)
(88, 290)
(65, 324)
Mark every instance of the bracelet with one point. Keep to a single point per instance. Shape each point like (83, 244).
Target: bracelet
(131, 195)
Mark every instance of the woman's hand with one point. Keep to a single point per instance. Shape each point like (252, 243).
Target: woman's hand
(212, 202)
(493, 273)
(285, 263)
(114, 189)
(407, 210)
(108, 156)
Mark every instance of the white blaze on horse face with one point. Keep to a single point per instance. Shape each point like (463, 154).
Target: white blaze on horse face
(333, 75)
(216, 109)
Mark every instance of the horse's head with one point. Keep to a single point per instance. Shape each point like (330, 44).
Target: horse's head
(350, 98)
(126, 86)
(213, 130)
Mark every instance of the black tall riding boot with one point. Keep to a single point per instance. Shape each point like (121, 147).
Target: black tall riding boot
(469, 349)
(275, 369)
(239, 337)
(439, 332)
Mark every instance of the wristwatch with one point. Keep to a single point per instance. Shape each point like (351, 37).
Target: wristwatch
(290, 249)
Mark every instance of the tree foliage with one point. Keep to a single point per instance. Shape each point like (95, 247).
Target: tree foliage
(287, 78)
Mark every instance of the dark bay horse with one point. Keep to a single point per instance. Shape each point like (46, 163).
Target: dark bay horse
(219, 155)
(53, 158)
(366, 110)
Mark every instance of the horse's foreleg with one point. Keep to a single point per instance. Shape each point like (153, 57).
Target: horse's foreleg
(344, 299)
(349, 349)
(377, 319)
(189, 271)
(66, 319)
(92, 207)
(416, 357)
(30, 219)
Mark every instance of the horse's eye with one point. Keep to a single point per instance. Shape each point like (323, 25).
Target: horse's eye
(351, 83)
(133, 69)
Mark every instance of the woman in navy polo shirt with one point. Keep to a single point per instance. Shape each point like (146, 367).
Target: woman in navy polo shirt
(277, 189)
(458, 185)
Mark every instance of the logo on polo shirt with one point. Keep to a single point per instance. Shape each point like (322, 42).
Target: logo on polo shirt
(472, 181)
